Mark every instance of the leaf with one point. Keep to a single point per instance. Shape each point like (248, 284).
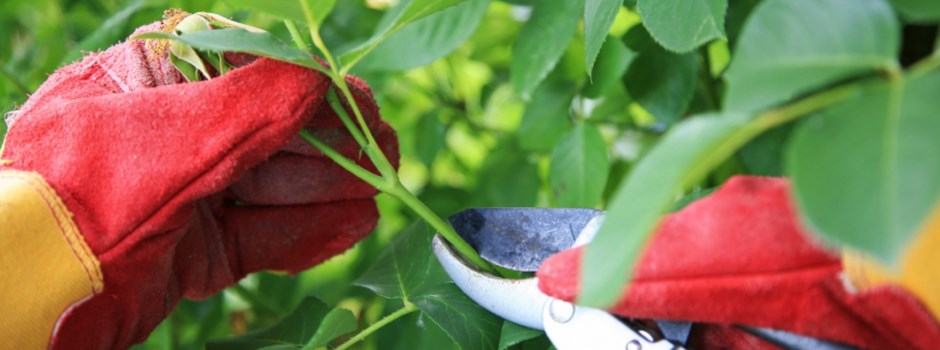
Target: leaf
(414, 332)
(286, 9)
(865, 172)
(295, 329)
(783, 52)
(240, 40)
(471, 326)
(427, 39)
(683, 25)
(546, 117)
(541, 42)
(336, 323)
(430, 138)
(109, 32)
(681, 158)
(764, 155)
(406, 268)
(513, 334)
(579, 168)
(598, 17)
(409, 11)
(612, 63)
(508, 179)
(918, 11)
(662, 82)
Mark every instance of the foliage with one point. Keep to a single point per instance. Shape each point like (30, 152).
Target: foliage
(635, 107)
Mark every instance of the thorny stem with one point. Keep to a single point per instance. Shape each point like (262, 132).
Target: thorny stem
(407, 309)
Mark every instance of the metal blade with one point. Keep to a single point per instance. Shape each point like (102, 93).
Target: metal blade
(521, 238)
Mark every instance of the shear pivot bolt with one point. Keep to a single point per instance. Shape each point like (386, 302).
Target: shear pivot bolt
(634, 345)
(561, 311)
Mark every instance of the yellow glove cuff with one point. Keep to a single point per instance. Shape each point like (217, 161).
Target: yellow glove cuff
(919, 267)
(45, 264)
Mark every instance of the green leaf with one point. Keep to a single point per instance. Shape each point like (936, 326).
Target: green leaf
(286, 9)
(865, 171)
(764, 155)
(109, 32)
(662, 82)
(406, 268)
(240, 40)
(334, 324)
(542, 41)
(918, 11)
(579, 168)
(782, 52)
(612, 63)
(295, 329)
(546, 116)
(414, 332)
(468, 324)
(683, 25)
(598, 17)
(427, 39)
(513, 334)
(508, 179)
(430, 138)
(408, 11)
(682, 158)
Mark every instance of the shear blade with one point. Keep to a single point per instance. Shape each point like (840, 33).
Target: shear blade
(520, 239)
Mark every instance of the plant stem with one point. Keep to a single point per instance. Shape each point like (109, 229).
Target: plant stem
(296, 36)
(375, 153)
(407, 309)
(397, 190)
(443, 228)
(337, 106)
(376, 181)
(315, 35)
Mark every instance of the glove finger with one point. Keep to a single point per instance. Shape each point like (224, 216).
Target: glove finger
(327, 125)
(290, 178)
(294, 238)
(126, 150)
(740, 256)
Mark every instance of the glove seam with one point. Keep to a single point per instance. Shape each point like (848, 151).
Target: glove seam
(66, 224)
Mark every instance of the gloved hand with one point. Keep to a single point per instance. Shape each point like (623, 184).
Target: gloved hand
(156, 190)
(741, 257)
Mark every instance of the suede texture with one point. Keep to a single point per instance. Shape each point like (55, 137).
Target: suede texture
(181, 189)
(741, 256)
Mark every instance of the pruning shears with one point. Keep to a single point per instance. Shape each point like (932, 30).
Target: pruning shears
(519, 239)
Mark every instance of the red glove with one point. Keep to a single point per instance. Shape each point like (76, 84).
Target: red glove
(177, 190)
(741, 257)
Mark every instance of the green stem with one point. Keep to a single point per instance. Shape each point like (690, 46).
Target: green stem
(709, 83)
(296, 36)
(350, 166)
(315, 35)
(813, 103)
(443, 228)
(407, 309)
(372, 149)
(334, 102)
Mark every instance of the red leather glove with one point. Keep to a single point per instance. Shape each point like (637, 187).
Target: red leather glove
(741, 257)
(181, 189)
